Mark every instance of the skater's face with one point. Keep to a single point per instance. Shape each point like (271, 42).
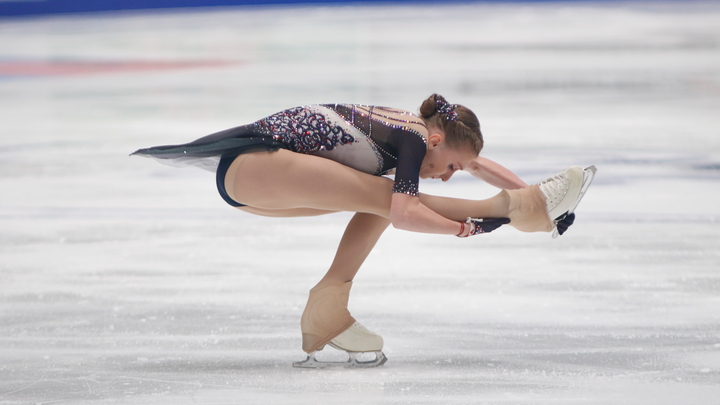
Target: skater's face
(441, 161)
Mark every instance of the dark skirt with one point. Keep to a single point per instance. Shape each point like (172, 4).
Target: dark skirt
(215, 152)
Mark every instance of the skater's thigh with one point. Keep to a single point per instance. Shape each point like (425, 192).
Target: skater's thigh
(286, 180)
(285, 213)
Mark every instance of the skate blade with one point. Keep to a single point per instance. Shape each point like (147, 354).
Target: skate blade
(352, 361)
(588, 176)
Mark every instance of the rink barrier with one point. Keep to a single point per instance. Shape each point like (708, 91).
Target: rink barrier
(39, 7)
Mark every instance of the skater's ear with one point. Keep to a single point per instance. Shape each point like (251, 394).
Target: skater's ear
(435, 139)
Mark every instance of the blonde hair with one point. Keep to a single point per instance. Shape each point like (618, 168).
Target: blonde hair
(459, 123)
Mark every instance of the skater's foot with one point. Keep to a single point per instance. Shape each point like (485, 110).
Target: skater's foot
(357, 338)
(565, 219)
(562, 191)
(535, 208)
(325, 316)
(326, 320)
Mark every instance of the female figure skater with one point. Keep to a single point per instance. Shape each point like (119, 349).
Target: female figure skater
(321, 159)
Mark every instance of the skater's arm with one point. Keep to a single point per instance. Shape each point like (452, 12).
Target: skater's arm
(494, 174)
(409, 214)
(406, 210)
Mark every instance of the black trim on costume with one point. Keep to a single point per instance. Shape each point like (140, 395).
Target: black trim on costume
(222, 169)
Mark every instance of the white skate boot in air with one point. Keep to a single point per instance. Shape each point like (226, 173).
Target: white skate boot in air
(326, 320)
(564, 191)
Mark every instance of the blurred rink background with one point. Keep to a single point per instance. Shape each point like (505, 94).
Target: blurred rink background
(123, 281)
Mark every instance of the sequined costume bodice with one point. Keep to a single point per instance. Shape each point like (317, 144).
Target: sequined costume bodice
(374, 140)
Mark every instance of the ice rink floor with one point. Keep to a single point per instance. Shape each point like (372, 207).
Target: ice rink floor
(123, 281)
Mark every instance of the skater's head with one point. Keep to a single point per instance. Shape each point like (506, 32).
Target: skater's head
(454, 138)
(459, 125)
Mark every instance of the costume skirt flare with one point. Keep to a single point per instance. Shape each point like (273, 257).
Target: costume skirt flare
(215, 152)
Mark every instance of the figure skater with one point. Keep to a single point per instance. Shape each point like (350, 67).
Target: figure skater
(321, 159)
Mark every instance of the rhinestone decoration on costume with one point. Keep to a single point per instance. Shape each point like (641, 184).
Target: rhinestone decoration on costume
(383, 116)
(406, 187)
(304, 130)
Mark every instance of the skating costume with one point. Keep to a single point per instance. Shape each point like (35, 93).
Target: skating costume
(374, 140)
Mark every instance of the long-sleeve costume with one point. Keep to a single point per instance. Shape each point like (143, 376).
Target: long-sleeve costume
(374, 140)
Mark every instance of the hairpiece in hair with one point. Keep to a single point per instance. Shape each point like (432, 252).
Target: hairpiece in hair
(443, 107)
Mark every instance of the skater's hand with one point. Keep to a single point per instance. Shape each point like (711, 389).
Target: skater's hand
(564, 223)
(485, 225)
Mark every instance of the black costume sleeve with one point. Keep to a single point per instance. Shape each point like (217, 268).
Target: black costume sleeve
(411, 150)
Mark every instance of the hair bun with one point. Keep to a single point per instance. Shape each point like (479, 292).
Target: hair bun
(438, 104)
(429, 106)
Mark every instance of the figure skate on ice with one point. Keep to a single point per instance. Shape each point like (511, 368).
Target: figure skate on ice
(326, 320)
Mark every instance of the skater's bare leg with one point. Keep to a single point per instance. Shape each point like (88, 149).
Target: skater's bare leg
(525, 208)
(286, 213)
(275, 183)
(326, 316)
(288, 180)
(283, 180)
(459, 209)
(361, 235)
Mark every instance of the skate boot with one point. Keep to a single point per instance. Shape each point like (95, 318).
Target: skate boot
(326, 320)
(562, 191)
(538, 207)
(588, 174)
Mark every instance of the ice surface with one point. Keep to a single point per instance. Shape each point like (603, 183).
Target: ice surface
(127, 282)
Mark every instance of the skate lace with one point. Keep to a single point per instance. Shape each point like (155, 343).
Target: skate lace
(554, 189)
(359, 326)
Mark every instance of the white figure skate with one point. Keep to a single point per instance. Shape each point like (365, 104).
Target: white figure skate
(564, 191)
(326, 320)
(355, 340)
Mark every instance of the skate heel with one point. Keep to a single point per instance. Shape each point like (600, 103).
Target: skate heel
(325, 316)
(311, 343)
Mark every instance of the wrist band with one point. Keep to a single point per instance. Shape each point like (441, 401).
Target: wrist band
(462, 230)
